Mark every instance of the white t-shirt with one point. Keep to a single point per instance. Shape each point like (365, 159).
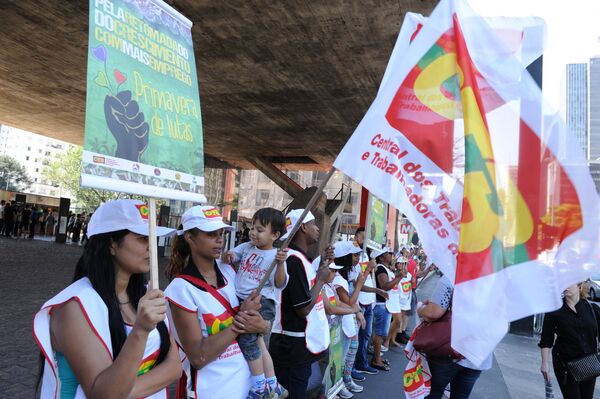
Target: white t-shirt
(348, 320)
(252, 264)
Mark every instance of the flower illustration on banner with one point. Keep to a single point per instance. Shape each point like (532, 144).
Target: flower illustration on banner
(123, 116)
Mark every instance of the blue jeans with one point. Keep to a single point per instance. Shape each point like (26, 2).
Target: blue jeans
(382, 319)
(446, 371)
(364, 335)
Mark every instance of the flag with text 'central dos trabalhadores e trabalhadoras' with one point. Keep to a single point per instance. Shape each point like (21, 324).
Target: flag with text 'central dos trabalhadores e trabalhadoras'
(460, 140)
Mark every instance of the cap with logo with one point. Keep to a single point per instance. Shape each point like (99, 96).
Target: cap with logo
(123, 214)
(343, 248)
(203, 217)
(292, 217)
(378, 252)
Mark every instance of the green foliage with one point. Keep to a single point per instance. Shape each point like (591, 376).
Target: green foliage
(65, 171)
(13, 176)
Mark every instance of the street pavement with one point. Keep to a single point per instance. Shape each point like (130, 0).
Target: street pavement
(31, 272)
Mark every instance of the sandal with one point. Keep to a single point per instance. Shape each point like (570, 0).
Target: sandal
(386, 362)
(383, 367)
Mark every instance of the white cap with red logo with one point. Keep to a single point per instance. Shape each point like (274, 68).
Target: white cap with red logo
(292, 217)
(203, 217)
(123, 214)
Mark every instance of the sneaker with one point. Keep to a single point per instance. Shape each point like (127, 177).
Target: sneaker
(384, 349)
(253, 394)
(278, 393)
(356, 376)
(354, 387)
(344, 393)
(370, 350)
(367, 370)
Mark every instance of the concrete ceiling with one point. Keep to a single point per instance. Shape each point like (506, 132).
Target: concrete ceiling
(277, 79)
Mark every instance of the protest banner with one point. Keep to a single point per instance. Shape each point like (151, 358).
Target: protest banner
(377, 221)
(460, 140)
(143, 128)
(326, 378)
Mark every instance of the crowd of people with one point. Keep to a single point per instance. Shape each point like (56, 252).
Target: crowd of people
(234, 342)
(25, 220)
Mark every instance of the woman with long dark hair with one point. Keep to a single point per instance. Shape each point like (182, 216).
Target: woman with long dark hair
(206, 311)
(105, 336)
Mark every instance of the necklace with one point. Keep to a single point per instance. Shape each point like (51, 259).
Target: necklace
(123, 303)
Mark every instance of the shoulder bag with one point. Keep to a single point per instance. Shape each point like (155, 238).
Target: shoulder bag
(587, 366)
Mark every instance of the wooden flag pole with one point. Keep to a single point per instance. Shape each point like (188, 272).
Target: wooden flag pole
(296, 227)
(152, 243)
(338, 222)
(367, 233)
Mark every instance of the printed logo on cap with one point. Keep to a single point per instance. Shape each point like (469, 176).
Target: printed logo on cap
(211, 213)
(143, 210)
(288, 222)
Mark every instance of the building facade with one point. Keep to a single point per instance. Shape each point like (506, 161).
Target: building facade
(577, 103)
(594, 98)
(34, 152)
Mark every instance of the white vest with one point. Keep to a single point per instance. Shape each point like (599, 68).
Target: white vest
(366, 298)
(317, 327)
(392, 304)
(405, 287)
(228, 376)
(96, 313)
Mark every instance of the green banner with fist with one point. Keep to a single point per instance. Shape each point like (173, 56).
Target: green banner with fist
(143, 127)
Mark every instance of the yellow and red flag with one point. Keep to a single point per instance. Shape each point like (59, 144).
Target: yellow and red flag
(460, 140)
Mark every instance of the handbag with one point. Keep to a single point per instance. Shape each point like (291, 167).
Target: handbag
(433, 339)
(587, 366)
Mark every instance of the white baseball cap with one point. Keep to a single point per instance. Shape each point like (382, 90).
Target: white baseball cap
(123, 214)
(333, 266)
(378, 252)
(343, 248)
(292, 217)
(203, 217)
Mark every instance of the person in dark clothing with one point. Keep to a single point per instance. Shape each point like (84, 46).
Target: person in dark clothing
(9, 218)
(34, 220)
(25, 221)
(296, 344)
(571, 332)
(77, 226)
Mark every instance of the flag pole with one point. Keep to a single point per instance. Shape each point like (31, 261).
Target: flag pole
(296, 227)
(367, 233)
(153, 247)
(338, 222)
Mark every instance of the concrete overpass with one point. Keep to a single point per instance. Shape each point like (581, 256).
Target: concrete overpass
(282, 83)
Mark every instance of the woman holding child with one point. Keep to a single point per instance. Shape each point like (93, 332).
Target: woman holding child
(206, 311)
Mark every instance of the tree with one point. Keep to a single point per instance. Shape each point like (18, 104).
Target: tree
(13, 176)
(64, 172)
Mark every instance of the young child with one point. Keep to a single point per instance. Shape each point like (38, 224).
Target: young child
(252, 259)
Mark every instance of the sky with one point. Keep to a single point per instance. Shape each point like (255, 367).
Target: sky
(573, 35)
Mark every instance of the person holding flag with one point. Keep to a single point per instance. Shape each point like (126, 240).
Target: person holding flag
(105, 335)
(460, 374)
(300, 335)
(385, 280)
(366, 300)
